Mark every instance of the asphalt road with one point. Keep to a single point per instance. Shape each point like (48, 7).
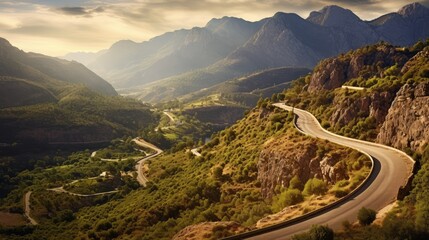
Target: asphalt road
(141, 178)
(391, 171)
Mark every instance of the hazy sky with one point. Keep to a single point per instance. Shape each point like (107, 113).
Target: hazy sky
(56, 27)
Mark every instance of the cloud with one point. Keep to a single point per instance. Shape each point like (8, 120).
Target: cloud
(59, 26)
(79, 11)
(73, 10)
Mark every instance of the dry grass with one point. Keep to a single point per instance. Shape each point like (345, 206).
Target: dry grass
(311, 203)
(12, 219)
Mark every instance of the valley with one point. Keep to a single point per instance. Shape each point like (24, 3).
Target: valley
(287, 127)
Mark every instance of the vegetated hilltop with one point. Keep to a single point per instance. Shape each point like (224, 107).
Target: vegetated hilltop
(392, 108)
(48, 100)
(30, 78)
(284, 39)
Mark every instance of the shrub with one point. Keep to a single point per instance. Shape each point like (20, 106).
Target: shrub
(315, 186)
(316, 233)
(366, 216)
(287, 198)
(295, 183)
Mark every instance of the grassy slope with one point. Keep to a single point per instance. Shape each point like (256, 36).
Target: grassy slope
(184, 190)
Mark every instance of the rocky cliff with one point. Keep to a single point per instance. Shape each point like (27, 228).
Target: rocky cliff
(407, 122)
(375, 105)
(364, 63)
(290, 156)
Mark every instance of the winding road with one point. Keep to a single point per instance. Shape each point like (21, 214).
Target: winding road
(28, 208)
(141, 178)
(390, 171)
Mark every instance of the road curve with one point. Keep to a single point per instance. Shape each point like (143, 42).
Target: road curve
(62, 190)
(195, 151)
(390, 171)
(28, 208)
(141, 178)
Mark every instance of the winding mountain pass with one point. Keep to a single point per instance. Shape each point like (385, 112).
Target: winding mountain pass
(390, 171)
(141, 178)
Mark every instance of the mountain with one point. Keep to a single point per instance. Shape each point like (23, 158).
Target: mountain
(31, 78)
(405, 26)
(285, 39)
(128, 63)
(248, 89)
(46, 100)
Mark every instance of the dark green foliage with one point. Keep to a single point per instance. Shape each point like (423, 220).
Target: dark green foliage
(366, 216)
(315, 186)
(316, 232)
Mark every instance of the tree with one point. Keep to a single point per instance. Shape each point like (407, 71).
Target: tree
(321, 233)
(316, 233)
(366, 216)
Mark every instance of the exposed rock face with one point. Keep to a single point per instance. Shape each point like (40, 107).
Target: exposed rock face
(334, 72)
(207, 230)
(407, 122)
(376, 106)
(283, 159)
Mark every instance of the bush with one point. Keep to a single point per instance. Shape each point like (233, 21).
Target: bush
(287, 198)
(316, 233)
(321, 233)
(366, 216)
(295, 183)
(315, 186)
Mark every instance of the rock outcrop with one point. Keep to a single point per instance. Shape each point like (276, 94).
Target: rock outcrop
(407, 122)
(375, 105)
(365, 63)
(283, 158)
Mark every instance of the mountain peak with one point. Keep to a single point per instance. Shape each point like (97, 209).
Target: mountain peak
(333, 15)
(215, 22)
(4, 43)
(413, 9)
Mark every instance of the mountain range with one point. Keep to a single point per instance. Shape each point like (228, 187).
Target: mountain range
(180, 62)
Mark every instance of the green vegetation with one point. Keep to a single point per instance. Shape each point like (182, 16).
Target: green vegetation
(366, 216)
(122, 149)
(81, 116)
(381, 77)
(222, 185)
(316, 232)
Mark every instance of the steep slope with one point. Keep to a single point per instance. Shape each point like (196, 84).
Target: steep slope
(128, 63)
(45, 100)
(289, 40)
(50, 73)
(405, 26)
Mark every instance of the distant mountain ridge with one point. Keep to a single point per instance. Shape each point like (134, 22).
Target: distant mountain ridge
(185, 61)
(128, 63)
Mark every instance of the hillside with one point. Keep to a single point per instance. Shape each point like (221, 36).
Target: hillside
(225, 103)
(284, 39)
(261, 167)
(233, 180)
(391, 108)
(25, 76)
(45, 100)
